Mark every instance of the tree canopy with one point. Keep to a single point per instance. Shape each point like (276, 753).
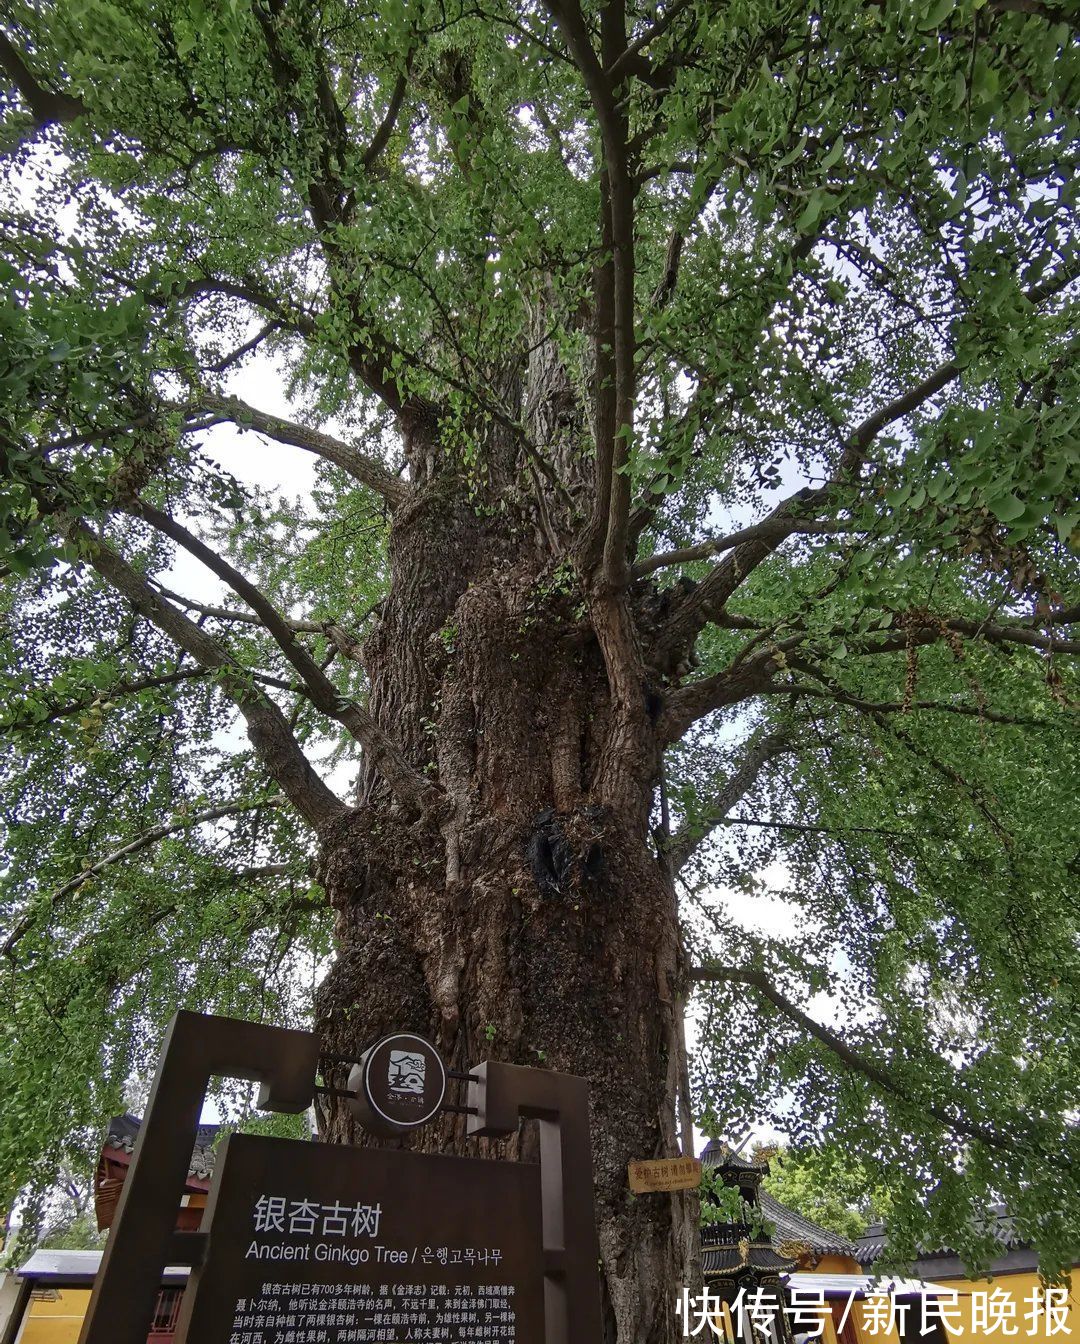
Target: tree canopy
(826, 1186)
(807, 280)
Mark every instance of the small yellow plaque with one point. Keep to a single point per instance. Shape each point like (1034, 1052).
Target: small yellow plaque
(664, 1173)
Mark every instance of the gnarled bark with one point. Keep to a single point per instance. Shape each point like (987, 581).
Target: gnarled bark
(530, 920)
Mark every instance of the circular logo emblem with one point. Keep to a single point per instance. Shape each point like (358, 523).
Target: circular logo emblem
(400, 1083)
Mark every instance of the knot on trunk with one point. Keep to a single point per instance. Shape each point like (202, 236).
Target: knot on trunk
(565, 851)
(655, 607)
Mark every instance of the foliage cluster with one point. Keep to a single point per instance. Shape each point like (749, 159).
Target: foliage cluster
(853, 236)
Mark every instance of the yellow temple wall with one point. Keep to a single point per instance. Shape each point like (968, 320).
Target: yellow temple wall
(1020, 1288)
(56, 1322)
(962, 1327)
(836, 1264)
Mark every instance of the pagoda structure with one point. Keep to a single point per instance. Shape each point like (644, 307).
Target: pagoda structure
(739, 1262)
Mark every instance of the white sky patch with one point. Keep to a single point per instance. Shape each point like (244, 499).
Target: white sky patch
(766, 911)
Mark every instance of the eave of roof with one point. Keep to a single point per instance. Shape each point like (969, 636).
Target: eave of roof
(999, 1223)
(791, 1226)
(725, 1262)
(717, 1154)
(77, 1269)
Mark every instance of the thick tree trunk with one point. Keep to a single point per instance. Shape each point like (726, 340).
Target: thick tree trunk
(531, 922)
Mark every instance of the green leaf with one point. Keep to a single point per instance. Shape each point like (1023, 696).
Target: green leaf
(960, 89)
(817, 203)
(936, 14)
(834, 154)
(1007, 508)
(795, 153)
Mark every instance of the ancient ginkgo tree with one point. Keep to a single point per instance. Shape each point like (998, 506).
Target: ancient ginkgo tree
(692, 392)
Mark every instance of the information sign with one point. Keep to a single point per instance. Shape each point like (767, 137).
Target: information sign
(309, 1243)
(358, 1245)
(665, 1173)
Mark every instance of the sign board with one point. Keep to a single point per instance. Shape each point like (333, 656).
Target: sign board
(362, 1244)
(399, 1084)
(664, 1173)
(306, 1242)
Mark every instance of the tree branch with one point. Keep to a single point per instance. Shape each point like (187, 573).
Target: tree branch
(864, 434)
(368, 471)
(384, 754)
(746, 676)
(615, 283)
(602, 547)
(804, 828)
(246, 290)
(1056, 616)
(676, 242)
(669, 277)
(267, 728)
(835, 1044)
(235, 356)
(709, 598)
(345, 643)
(692, 834)
(711, 595)
(930, 631)
(300, 624)
(625, 62)
(371, 362)
(260, 870)
(741, 679)
(899, 707)
(762, 531)
(46, 107)
(113, 692)
(142, 841)
(381, 138)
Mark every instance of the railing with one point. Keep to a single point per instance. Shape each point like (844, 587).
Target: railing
(166, 1315)
(725, 1234)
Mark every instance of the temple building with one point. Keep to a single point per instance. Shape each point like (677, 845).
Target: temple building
(739, 1260)
(807, 1283)
(54, 1286)
(1006, 1300)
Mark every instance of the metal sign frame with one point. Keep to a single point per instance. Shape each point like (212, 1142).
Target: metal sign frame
(197, 1047)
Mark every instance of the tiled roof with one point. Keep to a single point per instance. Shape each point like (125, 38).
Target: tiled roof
(727, 1262)
(124, 1130)
(791, 1226)
(999, 1223)
(717, 1154)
